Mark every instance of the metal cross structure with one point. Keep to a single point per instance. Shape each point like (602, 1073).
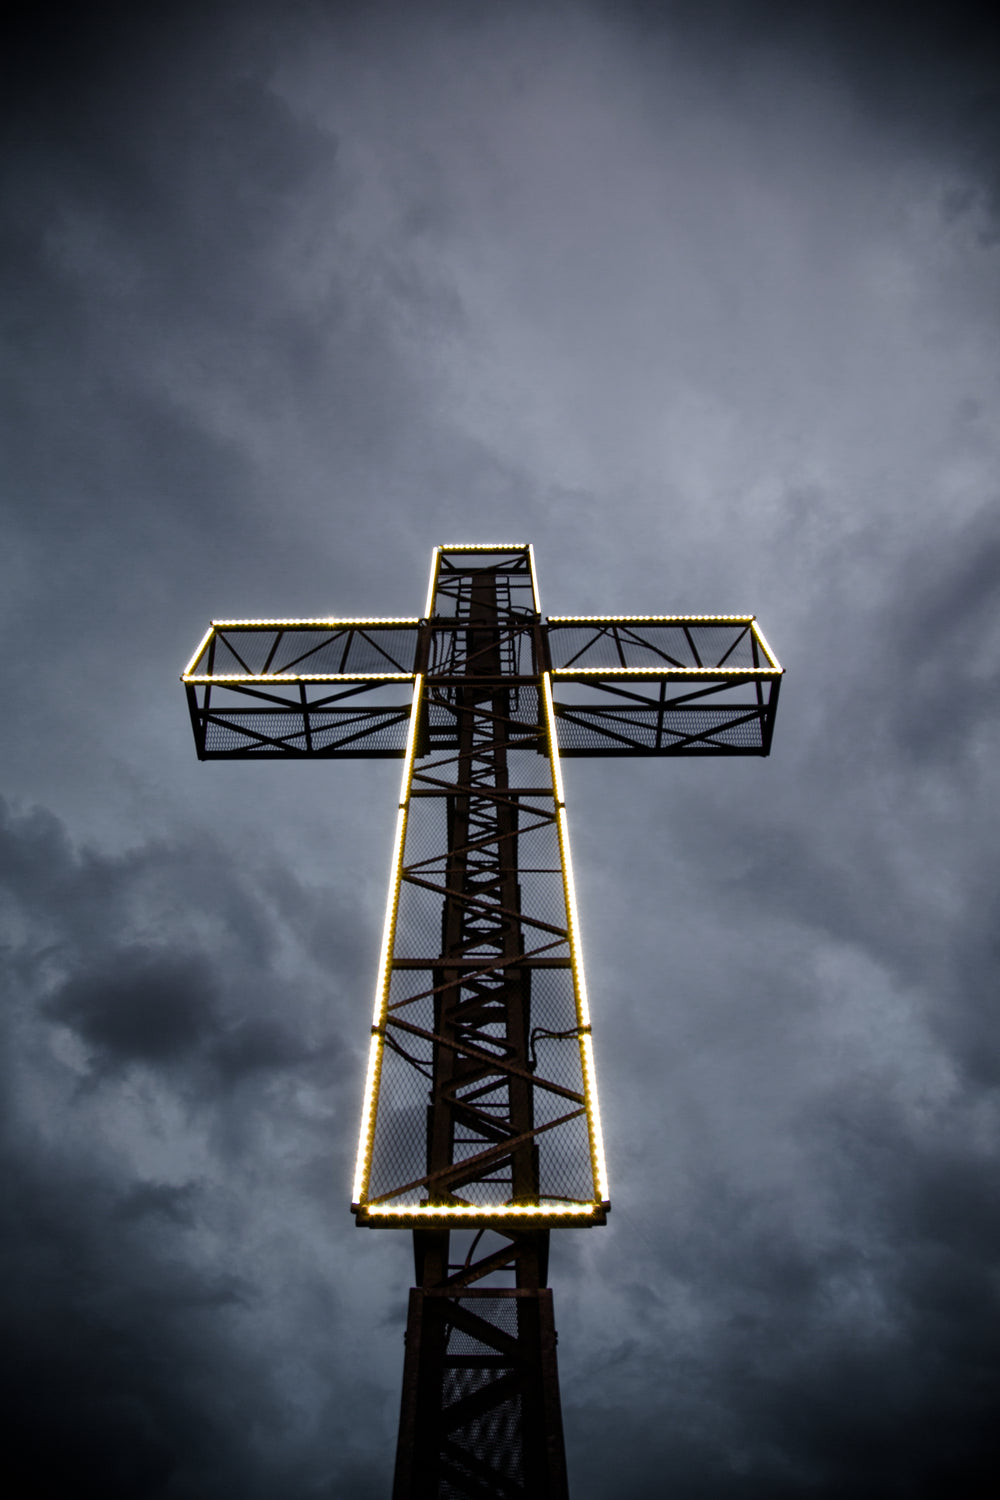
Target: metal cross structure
(480, 1125)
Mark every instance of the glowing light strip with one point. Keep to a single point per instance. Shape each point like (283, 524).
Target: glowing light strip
(479, 1210)
(484, 547)
(576, 957)
(550, 725)
(432, 585)
(534, 579)
(367, 1119)
(204, 642)
(767, 650)
(649, 619)
(667, 671)
(327, 620)
(389, 922)
(370, 1106)
(298, 677)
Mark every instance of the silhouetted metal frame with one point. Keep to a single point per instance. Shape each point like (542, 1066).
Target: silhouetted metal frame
(604, 686)
(692, 708)
(290, 706)
(666, 692)
(480, 1412)
(444, 725)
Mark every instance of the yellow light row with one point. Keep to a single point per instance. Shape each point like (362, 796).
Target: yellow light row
(270, 624)
(476, 1210)
(480, 547)
(369, 1107)
(435, 560)
(297, 677)
(648, 619)
(362, 1166)
(534, 579)
(550, 729)
(765, 647)
(204, 642)
(324, 620)
(653, 671)
(596, 1133)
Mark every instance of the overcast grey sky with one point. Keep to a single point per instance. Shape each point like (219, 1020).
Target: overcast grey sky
(702, 300)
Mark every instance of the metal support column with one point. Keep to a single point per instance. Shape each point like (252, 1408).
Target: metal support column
(480, 1409)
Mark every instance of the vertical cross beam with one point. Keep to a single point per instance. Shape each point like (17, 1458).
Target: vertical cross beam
(480, 1408)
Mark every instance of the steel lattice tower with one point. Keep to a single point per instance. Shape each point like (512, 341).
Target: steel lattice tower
(480, 1128)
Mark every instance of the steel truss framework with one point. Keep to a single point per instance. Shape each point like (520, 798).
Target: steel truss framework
(480, 1128)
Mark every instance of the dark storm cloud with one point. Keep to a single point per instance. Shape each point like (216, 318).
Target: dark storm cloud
(158, 1199)
(937, 64)
(701, 299)
(120, 1315)
(796, 1347)
(862, 1359)
(78, 915)
(155, 1008)
(145, 1007)
(929, 73)
(943, 636)
(157, 191)
(112, 1332)
(900, 736)
(839, 1268)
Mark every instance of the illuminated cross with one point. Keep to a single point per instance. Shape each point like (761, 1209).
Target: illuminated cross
(480, 1126)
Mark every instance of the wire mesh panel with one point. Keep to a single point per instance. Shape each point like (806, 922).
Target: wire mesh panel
(316, 688)
(311, 648)
(657, 641)
(481, 1102)
(633, 714)
(667, 685)
(483, 1418)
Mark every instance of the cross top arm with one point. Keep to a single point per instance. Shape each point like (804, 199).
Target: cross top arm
(621, 685)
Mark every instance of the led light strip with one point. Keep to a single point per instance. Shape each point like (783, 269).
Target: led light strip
(476, 1210)
(478, 547)
(369, 1108)
(485, 547)
(324, 620)
(298, 677)
(649, 619)
(669, 672)
(550, 729)
(576, 958)
(534, 579)
(766, 648)
(197, 655)
(329, 620)
(432, 585)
